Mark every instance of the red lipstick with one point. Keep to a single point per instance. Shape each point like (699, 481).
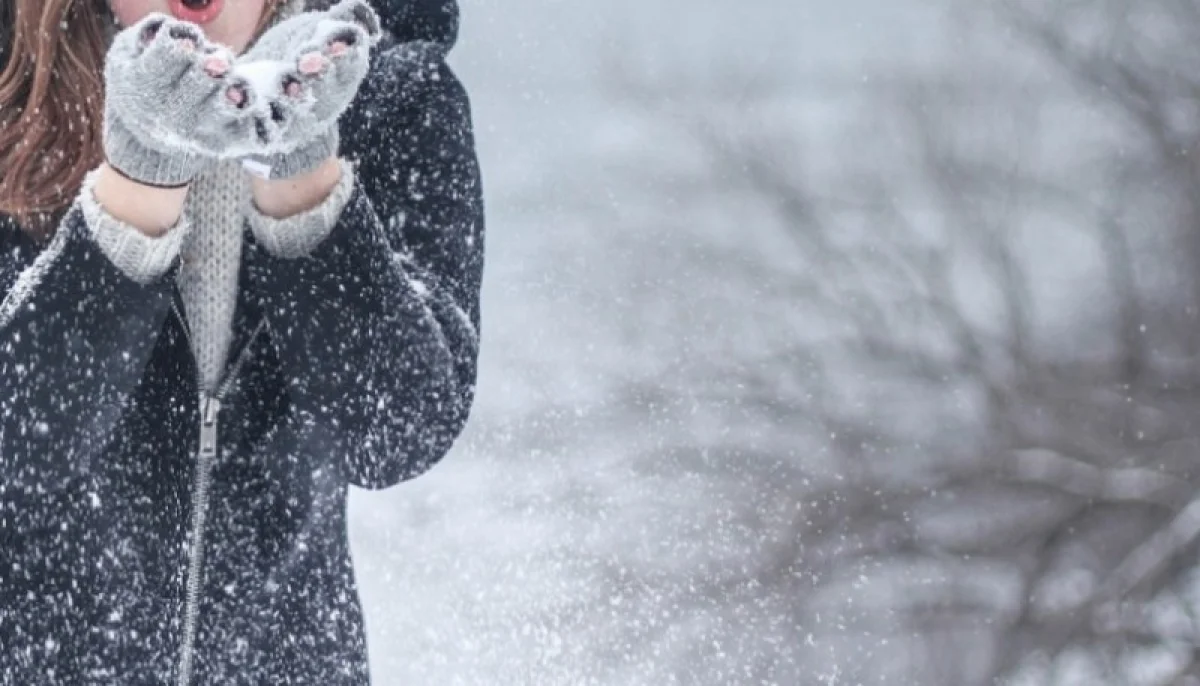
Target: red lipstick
(196, 11)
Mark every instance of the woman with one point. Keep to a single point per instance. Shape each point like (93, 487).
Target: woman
(241, 248)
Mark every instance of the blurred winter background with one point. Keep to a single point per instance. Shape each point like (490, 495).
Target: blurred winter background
(825, 343)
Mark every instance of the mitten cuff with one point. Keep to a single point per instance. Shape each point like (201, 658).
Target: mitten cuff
(304, 159)
(299, 234)
(125, 153)
(141, 257)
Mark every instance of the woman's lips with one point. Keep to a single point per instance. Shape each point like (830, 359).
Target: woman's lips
(196, 11)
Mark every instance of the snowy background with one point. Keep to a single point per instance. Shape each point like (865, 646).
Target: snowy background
(824, 343)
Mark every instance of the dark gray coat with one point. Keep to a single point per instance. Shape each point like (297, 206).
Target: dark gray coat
(354, 365)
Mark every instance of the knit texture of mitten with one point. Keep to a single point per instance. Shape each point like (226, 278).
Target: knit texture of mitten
(168, 110)
(306, 71)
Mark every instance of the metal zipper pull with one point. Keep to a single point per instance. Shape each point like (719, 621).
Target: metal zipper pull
(208, 425)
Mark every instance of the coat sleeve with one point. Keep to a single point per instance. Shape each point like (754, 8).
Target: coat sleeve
(76, 332)
(377, 326)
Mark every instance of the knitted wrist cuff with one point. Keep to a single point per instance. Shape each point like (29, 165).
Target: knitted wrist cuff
(133, 160)
(142, 258)
(306, 158)
(172, 186)
(299, 234)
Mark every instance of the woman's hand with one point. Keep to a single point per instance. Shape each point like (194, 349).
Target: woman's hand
(172, 104)
(307, 70)
(281, 198)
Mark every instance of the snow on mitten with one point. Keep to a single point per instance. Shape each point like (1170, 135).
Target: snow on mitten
(306, 71)
(171, 105)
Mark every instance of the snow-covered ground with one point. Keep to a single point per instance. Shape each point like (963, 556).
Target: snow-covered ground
(498, 566)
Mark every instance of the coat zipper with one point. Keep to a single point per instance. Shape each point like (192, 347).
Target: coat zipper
(206, 455)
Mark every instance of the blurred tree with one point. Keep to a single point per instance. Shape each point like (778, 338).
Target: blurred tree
(955, 347)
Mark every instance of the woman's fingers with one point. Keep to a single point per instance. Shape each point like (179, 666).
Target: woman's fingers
(272, 98)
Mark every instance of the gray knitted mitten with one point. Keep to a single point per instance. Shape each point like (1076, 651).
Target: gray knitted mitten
(305, 72)
(170, 104)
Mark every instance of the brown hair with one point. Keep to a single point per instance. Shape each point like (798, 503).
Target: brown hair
(51, 103)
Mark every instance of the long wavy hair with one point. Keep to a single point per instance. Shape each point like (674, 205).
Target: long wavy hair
(52, 103)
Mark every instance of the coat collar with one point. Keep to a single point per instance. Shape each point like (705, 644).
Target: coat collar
(412, 20)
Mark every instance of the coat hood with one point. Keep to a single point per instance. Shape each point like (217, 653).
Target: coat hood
(413, 20)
